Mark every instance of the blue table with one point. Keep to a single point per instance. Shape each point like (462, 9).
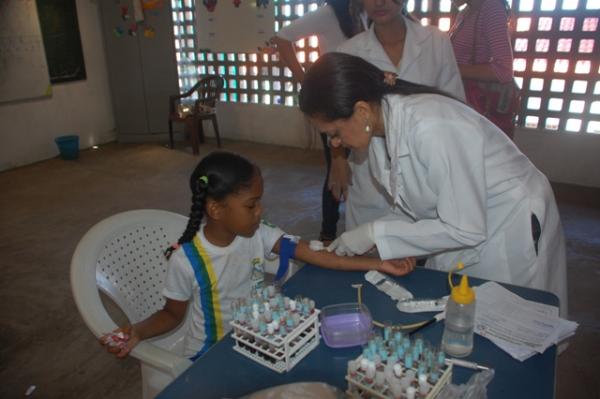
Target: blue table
(222, 372)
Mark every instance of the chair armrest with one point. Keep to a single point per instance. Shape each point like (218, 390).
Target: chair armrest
(161, 359)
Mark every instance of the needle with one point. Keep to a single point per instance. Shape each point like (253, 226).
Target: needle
(466, 364)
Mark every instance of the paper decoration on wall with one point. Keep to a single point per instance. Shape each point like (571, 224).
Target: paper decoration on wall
(125, 13)
(138, 11)
(152, 4)
(118, 31)
(236, 3)
(210, 5)
(133, 29)
(149, 32)
(235, 28)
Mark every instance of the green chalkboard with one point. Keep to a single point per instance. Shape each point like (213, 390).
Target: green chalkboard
(60, 33)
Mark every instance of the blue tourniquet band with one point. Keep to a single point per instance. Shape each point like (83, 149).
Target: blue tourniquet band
(287, 250)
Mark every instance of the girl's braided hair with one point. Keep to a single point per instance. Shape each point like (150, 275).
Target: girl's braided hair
(216, 176)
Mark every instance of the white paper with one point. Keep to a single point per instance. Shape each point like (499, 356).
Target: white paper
(520, 327)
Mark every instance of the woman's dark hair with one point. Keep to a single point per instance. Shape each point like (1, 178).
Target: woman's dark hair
(341, 8)
(216, 176)
(336, 81)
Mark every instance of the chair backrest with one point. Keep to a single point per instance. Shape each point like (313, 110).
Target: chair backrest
(209, 89)
(123, 256)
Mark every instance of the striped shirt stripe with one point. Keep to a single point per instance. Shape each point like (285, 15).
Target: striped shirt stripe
(209, 293)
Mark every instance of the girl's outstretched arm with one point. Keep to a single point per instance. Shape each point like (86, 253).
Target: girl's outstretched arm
(165, 320)
(329, 260)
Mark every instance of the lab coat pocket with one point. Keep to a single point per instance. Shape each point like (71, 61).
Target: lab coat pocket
(520, 252)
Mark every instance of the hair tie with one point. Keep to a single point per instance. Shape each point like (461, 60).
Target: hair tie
(389, 78)
(204, 179)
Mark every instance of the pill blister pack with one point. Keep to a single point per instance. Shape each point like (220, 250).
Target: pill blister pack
(274, 330)
(396, 367)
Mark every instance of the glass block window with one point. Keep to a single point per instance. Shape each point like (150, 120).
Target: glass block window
(555, 46)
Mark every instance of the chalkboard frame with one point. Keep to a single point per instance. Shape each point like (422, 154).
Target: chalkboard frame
(62, 40)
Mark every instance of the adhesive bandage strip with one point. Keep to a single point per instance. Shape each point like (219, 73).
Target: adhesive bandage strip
(388, 286)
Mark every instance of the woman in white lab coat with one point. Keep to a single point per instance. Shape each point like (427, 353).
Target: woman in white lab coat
(461, 190)
(420, 54)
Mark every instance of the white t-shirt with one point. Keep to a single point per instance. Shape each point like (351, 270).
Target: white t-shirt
(322, 22)
(211, 277)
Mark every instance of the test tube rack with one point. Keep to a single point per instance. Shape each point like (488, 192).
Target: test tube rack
(278, 352)
(361, 387)
(389, 376)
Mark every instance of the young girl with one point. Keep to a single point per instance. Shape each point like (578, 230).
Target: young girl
(224, 243)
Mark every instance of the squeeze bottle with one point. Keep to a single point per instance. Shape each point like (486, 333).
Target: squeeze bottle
(457, 340)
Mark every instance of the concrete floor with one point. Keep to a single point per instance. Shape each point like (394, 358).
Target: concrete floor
(46, 208)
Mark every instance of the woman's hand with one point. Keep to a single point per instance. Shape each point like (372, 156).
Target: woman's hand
(357, 241)
(121, 341)
(398, 267)
(339, 175)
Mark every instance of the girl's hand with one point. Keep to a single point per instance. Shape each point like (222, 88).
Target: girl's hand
(121, 341)
(398, 267)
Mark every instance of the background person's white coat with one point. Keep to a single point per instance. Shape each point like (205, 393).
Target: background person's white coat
(427, 58)
(470, 194)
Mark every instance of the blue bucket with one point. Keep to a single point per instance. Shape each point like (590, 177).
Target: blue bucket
(68, 146)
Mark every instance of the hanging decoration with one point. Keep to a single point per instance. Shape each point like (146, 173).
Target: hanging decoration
(210, 5)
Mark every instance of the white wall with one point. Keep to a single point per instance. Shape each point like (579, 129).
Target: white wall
(572, 158)
(28, 128)
(264, 124)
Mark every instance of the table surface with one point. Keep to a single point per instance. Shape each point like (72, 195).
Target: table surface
(224, 373)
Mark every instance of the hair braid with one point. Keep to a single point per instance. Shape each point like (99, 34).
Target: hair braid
(195, 219)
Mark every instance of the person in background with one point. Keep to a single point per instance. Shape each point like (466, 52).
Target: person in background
(481, 40)
(397, 44)
(333, 24)
(471, 195)
(220, 257)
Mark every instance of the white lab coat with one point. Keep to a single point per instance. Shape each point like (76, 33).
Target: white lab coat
(470, 194)
(427, 58)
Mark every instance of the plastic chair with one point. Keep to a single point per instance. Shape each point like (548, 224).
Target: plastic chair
(123, 256)
(204, 108)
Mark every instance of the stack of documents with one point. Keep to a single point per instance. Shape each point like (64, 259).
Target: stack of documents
(520, 327)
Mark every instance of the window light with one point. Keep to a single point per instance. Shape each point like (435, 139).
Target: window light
(534, 103)
(567, 23)
(555, 104)
(576, 106)
(544, 24)
(525, 5)
(536, 84)
(583, 67)
(523, 24)
(579, 87)
(569, 4)
(548, 5)
(573, 125)
(593, 127)
(552, 123)
(531, 121)
(564, 45)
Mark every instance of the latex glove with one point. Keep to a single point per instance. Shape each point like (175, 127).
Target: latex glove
(354, 242)
(339, 174)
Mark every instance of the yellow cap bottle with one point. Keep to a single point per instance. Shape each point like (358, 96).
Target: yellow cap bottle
(463, 293)
(457, 339)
